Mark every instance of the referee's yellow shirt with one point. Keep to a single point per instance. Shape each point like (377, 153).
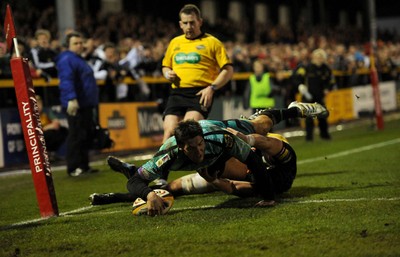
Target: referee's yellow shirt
(196, 61)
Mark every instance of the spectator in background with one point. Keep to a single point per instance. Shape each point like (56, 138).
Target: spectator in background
(89, 54)
(385, 65)
(357, 67)
(130, 62)
(79, 97)
(314, 81)
(341, 64)
(43, 56)
(5, 69)
(104, 62)
(260, 92)
(54, 133)
(241, 62)
(7, 95)
(111, 72)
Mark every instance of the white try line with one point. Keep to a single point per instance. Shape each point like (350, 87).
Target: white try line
(352, 151)
(42, 219)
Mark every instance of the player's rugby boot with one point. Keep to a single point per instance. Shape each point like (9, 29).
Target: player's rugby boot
(314, 110)
(100, 199)
(119, 166)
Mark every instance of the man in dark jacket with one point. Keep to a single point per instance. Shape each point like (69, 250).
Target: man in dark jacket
(79, 97)
(314, 81)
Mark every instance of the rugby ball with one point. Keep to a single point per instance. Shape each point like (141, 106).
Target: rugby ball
(139, 206)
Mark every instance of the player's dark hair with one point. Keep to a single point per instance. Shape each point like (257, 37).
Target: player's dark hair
(189, 9)
(186, 130)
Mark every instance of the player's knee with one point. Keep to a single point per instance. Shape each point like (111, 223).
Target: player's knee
(262, 124)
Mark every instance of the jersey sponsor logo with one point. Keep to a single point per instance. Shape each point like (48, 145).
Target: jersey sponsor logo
(228, 139)
(163, 160)
(192, 58)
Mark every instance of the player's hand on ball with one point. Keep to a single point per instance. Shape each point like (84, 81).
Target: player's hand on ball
(155, 204)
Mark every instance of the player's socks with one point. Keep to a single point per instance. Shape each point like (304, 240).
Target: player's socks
(277, 115)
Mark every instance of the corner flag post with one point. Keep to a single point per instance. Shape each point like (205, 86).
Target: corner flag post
(31, 125)
(373, 71)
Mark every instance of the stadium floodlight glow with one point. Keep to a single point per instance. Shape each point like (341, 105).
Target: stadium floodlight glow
(30, 122)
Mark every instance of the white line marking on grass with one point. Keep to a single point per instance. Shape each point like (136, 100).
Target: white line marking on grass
(42, 219)
(352, 151)
(76, 211)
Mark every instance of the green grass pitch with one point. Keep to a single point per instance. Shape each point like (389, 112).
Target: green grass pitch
(345, 201)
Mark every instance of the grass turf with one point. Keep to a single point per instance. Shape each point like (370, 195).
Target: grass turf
(339, 205)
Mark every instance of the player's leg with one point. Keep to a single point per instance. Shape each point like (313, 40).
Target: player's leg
(283, 168)
(235, 179)
(174, 112)
(109, 198)
(189, 184)
(262, 121)
(309, 129)
(323, 128)
(193, 115)
(294, 110)
(262, 124)
(128, 170)
(169, 125)
(235, 170)
(267, 145)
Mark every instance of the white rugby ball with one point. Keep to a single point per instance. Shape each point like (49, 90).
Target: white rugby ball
(139, 206)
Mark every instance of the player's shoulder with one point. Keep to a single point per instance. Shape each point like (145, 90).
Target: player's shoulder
(170, 143)
(211, 38)
(217, 135)
(204, 123)
(178, 39)
(209, 127)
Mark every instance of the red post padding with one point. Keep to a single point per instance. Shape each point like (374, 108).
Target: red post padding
(377, 98)
(34, 139)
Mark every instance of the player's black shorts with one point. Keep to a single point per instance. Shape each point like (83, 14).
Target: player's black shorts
(182, 100)
(283, 174)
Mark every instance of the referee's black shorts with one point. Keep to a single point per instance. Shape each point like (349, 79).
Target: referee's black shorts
(182, 100)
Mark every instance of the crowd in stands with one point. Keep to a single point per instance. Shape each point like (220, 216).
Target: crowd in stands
(127, 44)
